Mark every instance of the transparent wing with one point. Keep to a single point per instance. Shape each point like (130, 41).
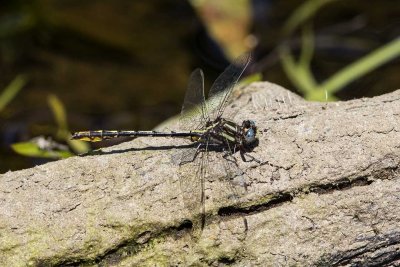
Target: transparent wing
(234, 181)
(193, 114)
(235, 185)
(222, 88)
(191, 177)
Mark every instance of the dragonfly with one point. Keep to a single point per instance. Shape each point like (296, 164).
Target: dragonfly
(202, 122)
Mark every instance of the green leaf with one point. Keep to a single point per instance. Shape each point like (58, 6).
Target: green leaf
(11, 91)
(63, 133)
(59, 113)
(303, 13)
(255, 77)
(78, 146)
(299, 72)
(31, 149)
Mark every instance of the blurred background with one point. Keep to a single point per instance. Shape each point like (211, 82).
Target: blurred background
(70, 65)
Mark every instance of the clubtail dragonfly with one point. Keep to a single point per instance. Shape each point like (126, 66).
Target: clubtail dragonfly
(201, 122)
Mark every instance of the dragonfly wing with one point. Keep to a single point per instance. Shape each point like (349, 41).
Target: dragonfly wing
(234, 180)
(192, 187)
(193, 114)
(222, 88)
(235, 186)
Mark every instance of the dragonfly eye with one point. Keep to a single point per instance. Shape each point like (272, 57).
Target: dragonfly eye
(250, 136)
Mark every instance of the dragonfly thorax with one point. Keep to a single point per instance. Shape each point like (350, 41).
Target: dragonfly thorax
(230, 134)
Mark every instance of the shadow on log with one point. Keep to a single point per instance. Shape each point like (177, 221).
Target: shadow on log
(326, 193)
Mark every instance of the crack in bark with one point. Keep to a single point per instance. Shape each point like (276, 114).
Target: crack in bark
(280, 198)
(360, 257)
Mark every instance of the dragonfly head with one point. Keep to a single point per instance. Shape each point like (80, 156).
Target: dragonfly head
(249, 132)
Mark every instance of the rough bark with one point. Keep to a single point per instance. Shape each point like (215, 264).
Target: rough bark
(325, 193)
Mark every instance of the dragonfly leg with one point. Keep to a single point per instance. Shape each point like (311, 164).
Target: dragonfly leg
(243, 155)
(190, 156)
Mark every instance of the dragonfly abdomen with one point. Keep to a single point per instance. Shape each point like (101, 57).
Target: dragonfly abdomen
(99, 135)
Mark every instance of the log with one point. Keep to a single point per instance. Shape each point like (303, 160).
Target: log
(324, 190)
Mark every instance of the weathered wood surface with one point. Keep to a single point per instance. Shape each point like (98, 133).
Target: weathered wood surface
(327, 193)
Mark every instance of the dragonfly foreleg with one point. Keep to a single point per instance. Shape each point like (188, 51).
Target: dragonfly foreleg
(243, 155)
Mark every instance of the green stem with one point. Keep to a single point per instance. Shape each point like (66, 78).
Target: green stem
(362, 66)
